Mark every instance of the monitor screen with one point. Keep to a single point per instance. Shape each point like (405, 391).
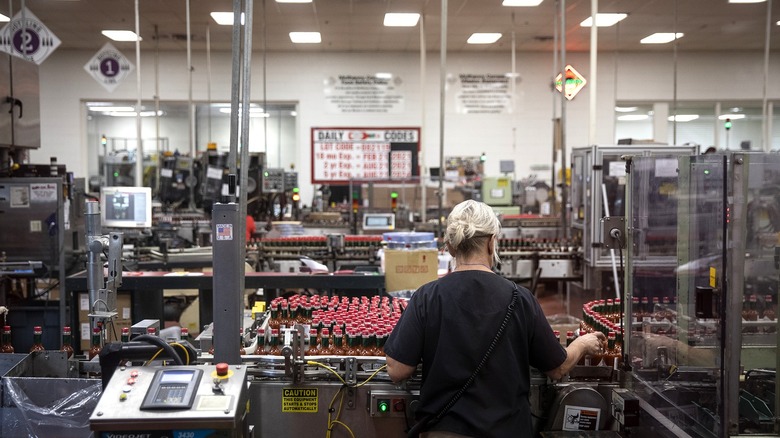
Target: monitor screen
(126, 207)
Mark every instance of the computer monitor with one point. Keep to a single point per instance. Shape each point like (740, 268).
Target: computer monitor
(126, 207)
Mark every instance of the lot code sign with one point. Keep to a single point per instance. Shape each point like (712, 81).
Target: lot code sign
(364, 154)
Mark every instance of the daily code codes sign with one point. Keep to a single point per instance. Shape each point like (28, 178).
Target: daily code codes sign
(299, 400)
(373, 154)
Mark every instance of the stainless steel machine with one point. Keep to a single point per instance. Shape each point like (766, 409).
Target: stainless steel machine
(194, 401)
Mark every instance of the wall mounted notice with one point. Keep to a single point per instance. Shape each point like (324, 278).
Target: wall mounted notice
(339, 155)
(348, 94)
(486, 93)
(109, 67)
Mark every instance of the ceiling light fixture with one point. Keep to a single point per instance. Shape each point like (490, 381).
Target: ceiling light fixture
(661, 38)
(633, 117)
(305, 37)
(747, 1)
(401, 19)
(604, 19)
(483, 38)
(626, 109)
(225, 18)
(383, 75)
(121, 35)
(683, 117)
(522, 3)
(731, 116)
(4, 19)
(111, 108)
(293, 1)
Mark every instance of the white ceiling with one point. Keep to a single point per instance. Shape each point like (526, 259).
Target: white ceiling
(356, 25)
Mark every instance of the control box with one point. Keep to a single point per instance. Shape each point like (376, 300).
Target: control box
(273, 180)
(392, 403)
(202, 400)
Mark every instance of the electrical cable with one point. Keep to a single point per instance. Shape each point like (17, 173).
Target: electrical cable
(162, 344)
(322, 365)
(153, 357)
(371, 376)
(186, 353)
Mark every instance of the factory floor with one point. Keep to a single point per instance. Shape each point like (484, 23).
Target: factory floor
(552, 301)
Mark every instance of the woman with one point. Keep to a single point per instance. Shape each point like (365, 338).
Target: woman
(449, 324)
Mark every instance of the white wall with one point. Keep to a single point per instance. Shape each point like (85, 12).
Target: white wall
(524, 136)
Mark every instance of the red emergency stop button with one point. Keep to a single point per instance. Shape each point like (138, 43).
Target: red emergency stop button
(222, 369)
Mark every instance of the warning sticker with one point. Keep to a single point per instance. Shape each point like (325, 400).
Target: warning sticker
(300, 400)
(581, 418)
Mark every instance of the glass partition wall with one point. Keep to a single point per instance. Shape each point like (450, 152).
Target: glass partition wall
(165, 127)
(703, 352)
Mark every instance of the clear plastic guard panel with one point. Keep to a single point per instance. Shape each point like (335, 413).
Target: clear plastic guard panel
(703, 333)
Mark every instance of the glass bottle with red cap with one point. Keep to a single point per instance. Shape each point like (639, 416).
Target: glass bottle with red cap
(94, 350)
(7, 344)
(37, 339)
(66, 347)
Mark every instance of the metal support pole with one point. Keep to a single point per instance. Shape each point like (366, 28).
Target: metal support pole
(564, 192)
(139, 150)
(594, 50)
(421, 160)
(442, 99)
(765, 110)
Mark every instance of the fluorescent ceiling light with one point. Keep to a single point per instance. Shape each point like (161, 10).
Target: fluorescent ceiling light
(661, 38)
(399, 19)
(121, 35)
(483, 38)
(626, 109)
(4, 19)
(683, 117)
(731, 116)
(747, 1)
(604, 20)
(253, 110)
(294, 113)
(225, 18)
(293, 1)
(111, 108)
(633, 117)
(305, 37)
(524, 3)
(134, 114)
(384, 75)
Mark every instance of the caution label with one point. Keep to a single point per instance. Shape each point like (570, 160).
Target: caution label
(300, 400)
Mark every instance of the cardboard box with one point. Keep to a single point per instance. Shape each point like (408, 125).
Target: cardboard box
(410, 269)
(411, 195)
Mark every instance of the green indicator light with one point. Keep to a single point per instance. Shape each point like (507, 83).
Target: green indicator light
(296, 190)
(706, 171)
(116, 174)
(393, 195)
(383, 406)
(265, 174)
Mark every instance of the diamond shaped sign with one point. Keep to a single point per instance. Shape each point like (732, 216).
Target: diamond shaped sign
(109, 67)
(27, 38)
(574, 82)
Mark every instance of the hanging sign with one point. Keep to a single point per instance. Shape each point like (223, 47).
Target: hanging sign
(27, 38)
(356, 93)
(339, 155)
(109, 67)
(574, 82)
(483, 94)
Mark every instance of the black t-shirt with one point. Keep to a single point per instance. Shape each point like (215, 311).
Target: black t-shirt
(448, 325)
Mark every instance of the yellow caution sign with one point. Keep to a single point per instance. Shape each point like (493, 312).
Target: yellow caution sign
(300, 400)
(712, 276)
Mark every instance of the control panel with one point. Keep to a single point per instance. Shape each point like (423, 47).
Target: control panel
(169, 401)
(273, 180)
(392, 403)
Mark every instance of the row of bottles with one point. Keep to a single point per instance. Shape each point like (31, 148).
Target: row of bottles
(611, 357)
(538, 244)
(345, 313)
(6, 345)
(350, 241)
(325, 343)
